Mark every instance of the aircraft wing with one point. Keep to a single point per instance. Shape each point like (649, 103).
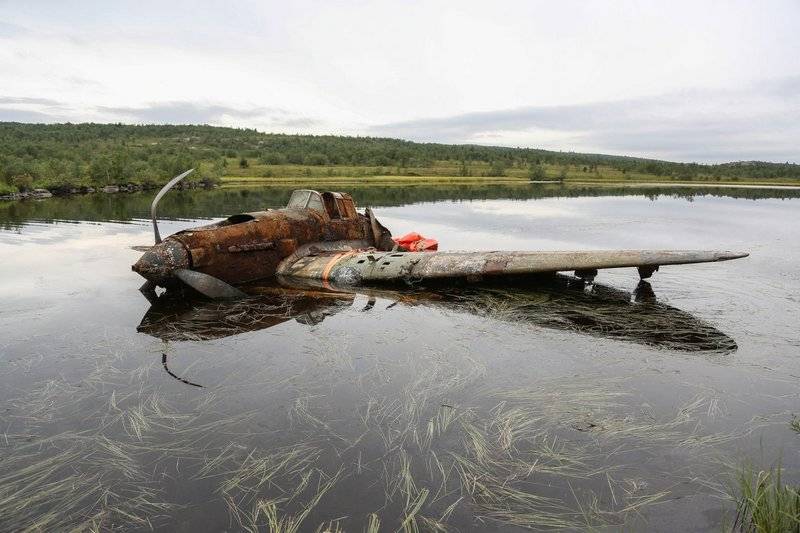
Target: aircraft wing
(357, 266)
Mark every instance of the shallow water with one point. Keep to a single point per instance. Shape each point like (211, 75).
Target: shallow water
(475, 409)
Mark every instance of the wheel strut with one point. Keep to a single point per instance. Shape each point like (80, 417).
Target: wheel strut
(587, 275)
(647, 271)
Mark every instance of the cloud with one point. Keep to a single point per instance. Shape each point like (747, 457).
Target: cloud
(8, 30)
(181, 113)
(195, 113)
(758, 122)
(28, 100)
(26, 115)
(82, 82)
(34, 109)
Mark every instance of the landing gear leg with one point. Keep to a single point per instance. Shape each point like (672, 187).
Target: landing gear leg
(588, 278)
(646, 271)
(586, 275)
(644, 292)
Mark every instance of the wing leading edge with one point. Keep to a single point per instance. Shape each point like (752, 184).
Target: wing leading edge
(357, 266)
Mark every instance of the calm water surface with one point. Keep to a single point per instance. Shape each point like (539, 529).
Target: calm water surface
(498, 409)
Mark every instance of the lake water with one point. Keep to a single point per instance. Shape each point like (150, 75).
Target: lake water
(555, 405)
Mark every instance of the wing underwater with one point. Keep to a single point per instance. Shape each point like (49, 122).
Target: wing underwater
(355, 267)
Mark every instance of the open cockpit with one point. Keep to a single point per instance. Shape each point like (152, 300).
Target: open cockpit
(336, 205)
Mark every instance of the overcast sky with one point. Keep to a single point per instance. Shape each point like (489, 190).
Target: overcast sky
(687, 81)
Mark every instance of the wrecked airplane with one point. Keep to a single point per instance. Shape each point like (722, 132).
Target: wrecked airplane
(321, 236)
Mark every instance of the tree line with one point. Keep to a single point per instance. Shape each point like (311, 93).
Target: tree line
(64, 156)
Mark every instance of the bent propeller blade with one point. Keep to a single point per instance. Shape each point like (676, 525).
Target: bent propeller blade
(208, 285)
(171, 183)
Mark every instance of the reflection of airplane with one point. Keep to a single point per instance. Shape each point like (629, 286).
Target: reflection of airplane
(559, 302)
(179, 318)
(323, 237)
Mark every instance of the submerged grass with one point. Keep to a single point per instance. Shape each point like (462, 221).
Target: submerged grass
(69, 479)
(265, 515)
(423, 445)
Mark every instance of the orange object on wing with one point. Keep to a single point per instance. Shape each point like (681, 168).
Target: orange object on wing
(414, 242)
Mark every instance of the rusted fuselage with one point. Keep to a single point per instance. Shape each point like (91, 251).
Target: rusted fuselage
(249, 246)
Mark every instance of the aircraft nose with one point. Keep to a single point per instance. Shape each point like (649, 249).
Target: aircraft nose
(158, 263)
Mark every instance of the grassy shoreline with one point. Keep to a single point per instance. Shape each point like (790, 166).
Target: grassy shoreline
(346, 182)
(454, 180)
(440, 173)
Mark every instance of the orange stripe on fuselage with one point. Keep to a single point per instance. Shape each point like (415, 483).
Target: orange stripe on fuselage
(329, 266)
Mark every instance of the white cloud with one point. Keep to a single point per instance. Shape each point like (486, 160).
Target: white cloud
(648, 73)
(759, 121)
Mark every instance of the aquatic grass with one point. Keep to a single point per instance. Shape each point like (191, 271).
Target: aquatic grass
(765, 504)
(497, 499)
(300, 412)
(437, 470)
(57, 482)
(514, 450)
(373, 524)
(518, 447)
(504, 453)
(500, 485)
(424, 426)
(266, 513)
(107, 470)
(411, 511)
(437, 425)
(258, 470)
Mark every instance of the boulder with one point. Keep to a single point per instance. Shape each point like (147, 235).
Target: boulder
(41, 193)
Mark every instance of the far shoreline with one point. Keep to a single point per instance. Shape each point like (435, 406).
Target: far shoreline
(395, 181)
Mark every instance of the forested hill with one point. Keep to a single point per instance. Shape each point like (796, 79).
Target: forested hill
(69, 155)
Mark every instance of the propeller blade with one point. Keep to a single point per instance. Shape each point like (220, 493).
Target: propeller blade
(149, 291)
(374, 226)
(141, 248)
(171, 183)
(208, 285)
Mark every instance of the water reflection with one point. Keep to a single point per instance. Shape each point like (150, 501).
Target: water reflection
(557, 302)
(221, 202)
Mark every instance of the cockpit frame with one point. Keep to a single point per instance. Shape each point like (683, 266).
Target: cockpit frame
(336, 205)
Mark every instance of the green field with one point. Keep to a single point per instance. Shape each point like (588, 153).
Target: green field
(451, 172)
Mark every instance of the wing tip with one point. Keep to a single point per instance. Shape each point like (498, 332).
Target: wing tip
(728, 255)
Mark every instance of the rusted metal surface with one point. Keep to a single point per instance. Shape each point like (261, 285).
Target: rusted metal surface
(254, 247)
(354, 267)
(249, 246)
(339, 205)
(160, 261)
